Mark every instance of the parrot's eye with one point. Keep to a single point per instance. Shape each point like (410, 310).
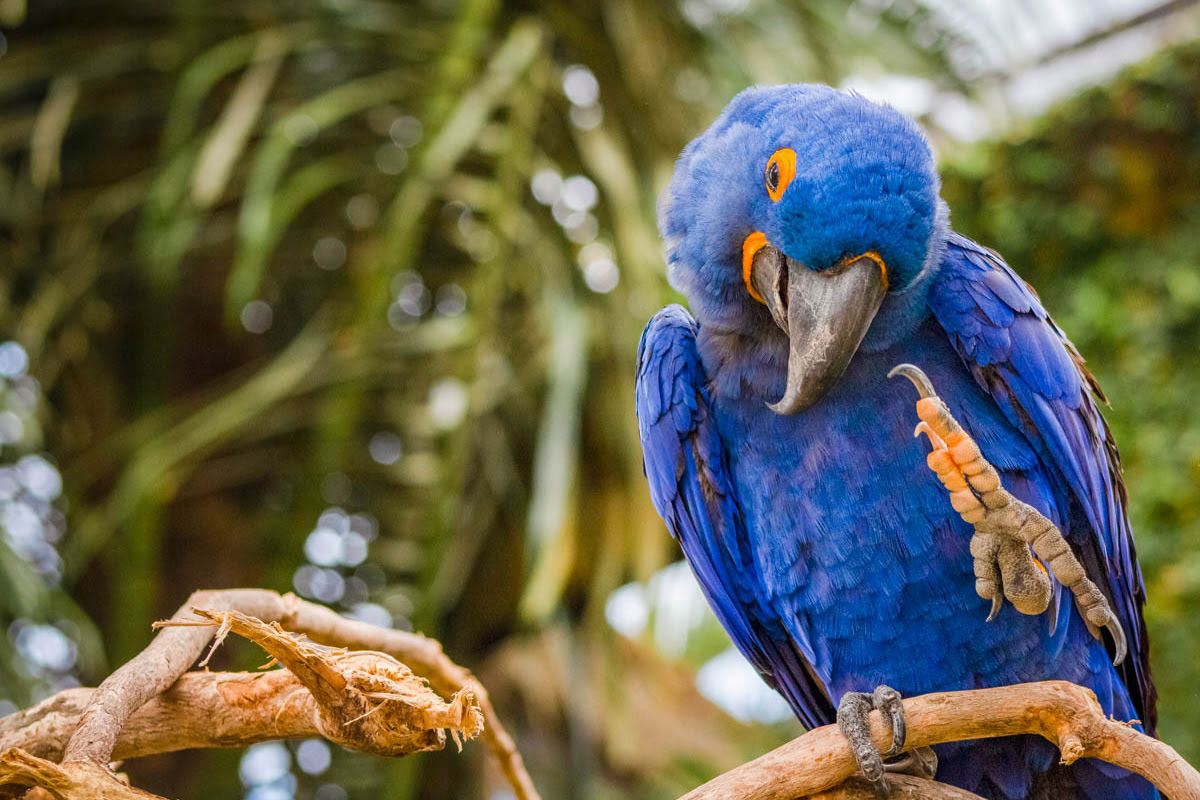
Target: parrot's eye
(781, 168)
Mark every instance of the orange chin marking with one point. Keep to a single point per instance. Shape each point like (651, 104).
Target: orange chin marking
(878, 259)
(753, 243)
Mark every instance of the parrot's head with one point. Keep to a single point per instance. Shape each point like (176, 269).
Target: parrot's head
(806, 210)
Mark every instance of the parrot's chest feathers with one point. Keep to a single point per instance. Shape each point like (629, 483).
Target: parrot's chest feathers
(854, 540)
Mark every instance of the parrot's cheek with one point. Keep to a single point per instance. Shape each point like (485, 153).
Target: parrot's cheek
(825, 315)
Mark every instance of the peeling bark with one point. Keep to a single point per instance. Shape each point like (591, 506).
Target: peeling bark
(367, 688)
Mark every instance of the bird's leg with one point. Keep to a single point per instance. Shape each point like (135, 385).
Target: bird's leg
(853, 711)
(1005, 528)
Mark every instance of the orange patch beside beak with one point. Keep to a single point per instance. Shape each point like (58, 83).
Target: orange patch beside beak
(758, 240)
(871, 254)
(753, 243)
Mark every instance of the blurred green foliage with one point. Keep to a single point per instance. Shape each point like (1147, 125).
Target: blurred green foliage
(271, 259)
(1097, 204)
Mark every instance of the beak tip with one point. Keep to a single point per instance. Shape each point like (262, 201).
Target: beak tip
(782, 408)
(795, 400)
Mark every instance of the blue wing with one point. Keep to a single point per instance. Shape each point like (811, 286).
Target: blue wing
(687, 470)
(1038, 379)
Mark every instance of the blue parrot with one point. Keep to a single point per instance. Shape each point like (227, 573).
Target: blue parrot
(806, 230)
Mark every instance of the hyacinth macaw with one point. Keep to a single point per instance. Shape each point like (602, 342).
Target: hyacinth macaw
(806, 231)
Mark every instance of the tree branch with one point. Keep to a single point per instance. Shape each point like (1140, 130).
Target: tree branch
(202, 710)
(1066, 714)
(904, 787)
(335, 694)
(367, 701)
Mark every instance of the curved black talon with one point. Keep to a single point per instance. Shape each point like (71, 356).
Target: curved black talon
(997, 604)
(917, 376)
(852, 714)
(1121, 649)
(920, 761)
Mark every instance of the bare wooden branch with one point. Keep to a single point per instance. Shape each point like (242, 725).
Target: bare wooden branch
(425, 657)
(367, 701)
(1066, 714)
(375, 701)
(153, 670)
(904, 787)
(67, 782)
(180, 644)
(202, 710)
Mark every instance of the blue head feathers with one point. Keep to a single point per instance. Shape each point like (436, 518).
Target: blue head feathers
(864, 182)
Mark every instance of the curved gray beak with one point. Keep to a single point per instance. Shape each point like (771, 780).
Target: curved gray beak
(824, 314)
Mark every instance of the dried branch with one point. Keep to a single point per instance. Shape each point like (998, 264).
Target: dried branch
(367, 701)
(425, 657)
(1066, 714)
(904, 787)
(202, 710)
(370, 701)
(67, 782)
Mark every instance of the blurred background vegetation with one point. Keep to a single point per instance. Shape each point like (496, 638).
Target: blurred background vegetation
(342, 297)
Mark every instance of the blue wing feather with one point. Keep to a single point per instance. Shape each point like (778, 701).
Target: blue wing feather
(1037, 378)
(687, 469)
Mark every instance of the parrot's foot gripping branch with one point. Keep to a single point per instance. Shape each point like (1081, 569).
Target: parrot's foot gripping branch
(1005, 528)
(852, 714)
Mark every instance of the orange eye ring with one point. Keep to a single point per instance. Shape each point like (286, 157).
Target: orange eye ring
(781, 168)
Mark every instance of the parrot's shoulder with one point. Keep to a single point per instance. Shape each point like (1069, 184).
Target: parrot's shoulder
(670, 398)
(975, 278)
(669, 336)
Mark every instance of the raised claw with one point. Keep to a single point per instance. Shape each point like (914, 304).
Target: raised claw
(935, 441)
(1006, 529)
(1119, 644)
(919, 379)
(1052, 612)
(997, 604)
(1098, 615)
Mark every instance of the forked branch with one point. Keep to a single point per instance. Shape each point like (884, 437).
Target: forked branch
(355, 684)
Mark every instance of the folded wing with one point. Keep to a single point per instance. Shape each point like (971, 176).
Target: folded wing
(687, 469)
(1037, 378)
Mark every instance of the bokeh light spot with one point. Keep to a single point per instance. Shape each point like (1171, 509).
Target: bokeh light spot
(579, 193)
(546, 186)
(385, 448)
(13, 360)
(329, 252)
(580, 85)
(405, 131)
(257, 316)
(362, 211)
(448, 401)
(313, 756)
(264, 763)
